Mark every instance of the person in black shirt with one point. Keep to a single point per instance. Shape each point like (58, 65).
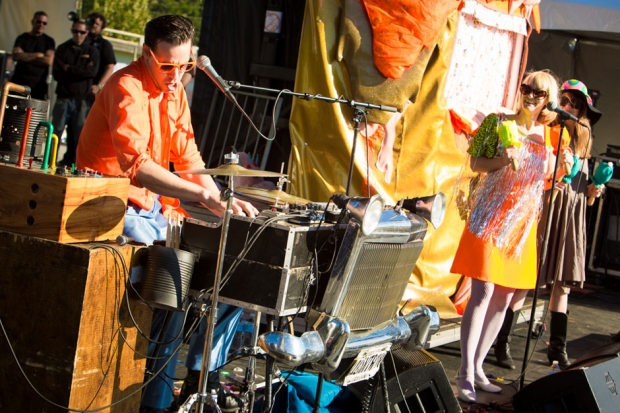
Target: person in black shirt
(33, 54)
(75, 66)
(96, 23)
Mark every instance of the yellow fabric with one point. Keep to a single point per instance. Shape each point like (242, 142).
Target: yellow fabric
(426, 153)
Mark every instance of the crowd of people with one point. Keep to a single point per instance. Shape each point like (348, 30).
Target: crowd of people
(136, 122)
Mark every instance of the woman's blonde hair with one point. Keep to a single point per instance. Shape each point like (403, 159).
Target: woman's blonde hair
(543, 80)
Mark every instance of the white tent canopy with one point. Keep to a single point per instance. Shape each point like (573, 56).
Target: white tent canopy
(581, 15)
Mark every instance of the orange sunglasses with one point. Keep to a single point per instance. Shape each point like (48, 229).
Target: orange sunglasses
(169, 67)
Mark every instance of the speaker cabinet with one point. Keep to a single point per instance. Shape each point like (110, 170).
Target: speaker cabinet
(590, 385)
(423, 382)
(605, 243)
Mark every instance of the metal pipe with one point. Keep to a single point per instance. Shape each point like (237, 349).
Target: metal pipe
(333, 341)
(48, 141)
(24, 142)
(10, 87)
(54, 150)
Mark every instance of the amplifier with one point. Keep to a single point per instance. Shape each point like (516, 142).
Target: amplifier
(589, 385)
(62, 208)
(416, 382)
(276, 271)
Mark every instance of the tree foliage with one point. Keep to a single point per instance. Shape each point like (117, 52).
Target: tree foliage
(132, 15)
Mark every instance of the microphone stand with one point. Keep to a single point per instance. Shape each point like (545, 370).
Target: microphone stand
(359, 110)
(543, 253)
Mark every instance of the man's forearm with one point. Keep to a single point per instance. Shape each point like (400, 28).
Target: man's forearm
(163, 182)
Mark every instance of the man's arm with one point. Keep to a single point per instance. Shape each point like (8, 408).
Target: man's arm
(196, 188)
(107, 72)
(42, 59)
(48, 58)
(20, 56)
(87, 66)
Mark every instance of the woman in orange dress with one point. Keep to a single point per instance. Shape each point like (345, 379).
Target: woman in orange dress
(498, 246)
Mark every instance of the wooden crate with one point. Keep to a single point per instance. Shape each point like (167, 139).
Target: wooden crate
(61, 208)
(65, 311)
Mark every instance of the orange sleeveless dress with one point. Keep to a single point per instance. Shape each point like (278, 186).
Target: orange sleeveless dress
(498, 244)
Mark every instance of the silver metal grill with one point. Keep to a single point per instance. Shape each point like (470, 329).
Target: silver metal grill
(379, 279)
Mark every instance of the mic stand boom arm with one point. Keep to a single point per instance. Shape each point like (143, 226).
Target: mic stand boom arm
(359, 110)
(307, 96)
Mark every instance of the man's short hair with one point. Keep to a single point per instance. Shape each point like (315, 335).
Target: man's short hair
(79, 21)
(90, 19)
(39, 13)
(173, 29)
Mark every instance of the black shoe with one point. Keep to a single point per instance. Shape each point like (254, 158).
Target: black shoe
(557, 340)
(502, 354)
(504, 337)
(558, 354)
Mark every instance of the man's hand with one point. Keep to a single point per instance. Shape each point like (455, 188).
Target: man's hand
(240, 207)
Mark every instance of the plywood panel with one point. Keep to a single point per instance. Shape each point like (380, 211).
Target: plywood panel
(68, 320)
(63, 208)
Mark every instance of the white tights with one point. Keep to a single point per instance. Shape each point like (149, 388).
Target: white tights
(481, 322)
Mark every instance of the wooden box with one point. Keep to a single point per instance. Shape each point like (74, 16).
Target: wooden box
(61, 208)
(71, 325)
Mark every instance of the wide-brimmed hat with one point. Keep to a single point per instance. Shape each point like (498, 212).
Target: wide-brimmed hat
(577, 86)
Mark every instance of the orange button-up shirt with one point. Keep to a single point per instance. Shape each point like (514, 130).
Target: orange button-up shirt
(132, 121)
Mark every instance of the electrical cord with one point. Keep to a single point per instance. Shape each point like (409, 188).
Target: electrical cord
(119, 267)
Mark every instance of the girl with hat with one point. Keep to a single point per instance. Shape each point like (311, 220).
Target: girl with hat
(563, 266)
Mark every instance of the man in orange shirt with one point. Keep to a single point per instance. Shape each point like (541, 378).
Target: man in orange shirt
(139, 123)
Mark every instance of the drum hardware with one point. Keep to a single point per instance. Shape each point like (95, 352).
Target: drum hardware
(225, 195)
(233, 169)
(274, 196)
(230, 170)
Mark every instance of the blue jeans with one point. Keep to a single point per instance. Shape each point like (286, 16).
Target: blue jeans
(70, 113)
(148, 226)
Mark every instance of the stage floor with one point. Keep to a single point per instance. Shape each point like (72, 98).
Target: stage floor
(594, 315)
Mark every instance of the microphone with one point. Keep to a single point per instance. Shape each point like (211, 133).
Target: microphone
(204, 64)
(124, 240)
(563, 114)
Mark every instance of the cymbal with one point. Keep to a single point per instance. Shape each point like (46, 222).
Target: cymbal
(274, 196)
(233, 170)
